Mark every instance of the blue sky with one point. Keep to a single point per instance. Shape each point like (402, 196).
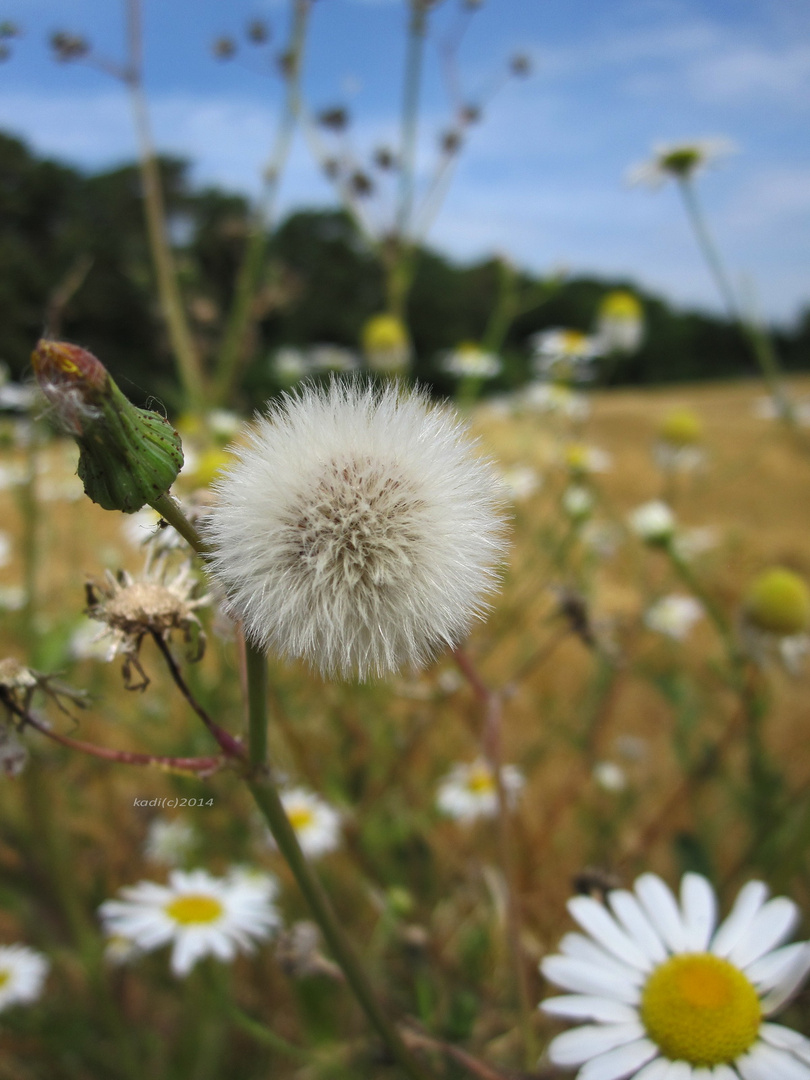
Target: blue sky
(542, 178)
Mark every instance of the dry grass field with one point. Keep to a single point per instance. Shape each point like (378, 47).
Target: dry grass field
(424, 896)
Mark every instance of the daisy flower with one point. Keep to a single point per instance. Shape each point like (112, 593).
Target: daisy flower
(169, 842)
(668, 995)
(674, 615)
(469, 790)
(521, 481)
(653, 522)
(358, 530)
(620, 323)
(545, 397)
(470, 361)
(315, 822)
(385, 343)
(22, 973)
(775, 618)
(564, 354)
(680, 161)
(199, 915)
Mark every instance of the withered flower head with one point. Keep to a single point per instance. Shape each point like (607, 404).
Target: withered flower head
(68, 47)
(224, 48)
(336, 119)
(451, 142)
(258, 32)
(153, 606)
(128, 456)
(520, 65)
(384, 158)
(361, 183)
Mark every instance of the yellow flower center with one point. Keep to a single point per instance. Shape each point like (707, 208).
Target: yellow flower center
(578, 458)
(4, 977)
(384, 332)
(301, 817)
(779, 603)
(681, 428)
(480, 781)
(573, 342)
(194, 908)
(701, 1009)
(620, 305)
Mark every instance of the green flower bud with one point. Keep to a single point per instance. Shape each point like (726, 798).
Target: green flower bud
(128, 456)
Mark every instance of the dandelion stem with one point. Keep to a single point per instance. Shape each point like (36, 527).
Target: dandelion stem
(267, 799)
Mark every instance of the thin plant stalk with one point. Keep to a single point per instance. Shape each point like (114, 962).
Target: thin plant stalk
(185, 351)
(229, 363)
(491, 738)
(267, 799)
(759, 343)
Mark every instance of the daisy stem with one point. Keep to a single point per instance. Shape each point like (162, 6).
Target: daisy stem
(267, 799)
(264, 1035)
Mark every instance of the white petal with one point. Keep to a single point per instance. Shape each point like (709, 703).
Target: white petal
(771, 969)
(188, 949)
(786, 1039)
(582, 1007)
(631, 915)
(600, 924)
(619, 1063)
(701, 1074)
(580, 947)
(770, 926)
(583, 1043)
(767, 1063)
(656, 1070)
(789, 982)
(724, 1072)
(662, 910)
(585, 978)
(679, 1070)
(750, 899)
(699, 907)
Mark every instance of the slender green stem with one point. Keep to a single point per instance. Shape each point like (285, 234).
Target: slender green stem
(229, 364)
(267, 799)
(30, 512)
(188, 361)
(256, 663)
(262, 1034)
(169, 509)
(410, 113)
(757, 340)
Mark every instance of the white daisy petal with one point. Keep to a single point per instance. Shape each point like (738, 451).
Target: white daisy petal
(595, 918)
(656, 1070)
(680, 1070)
(750, 899)
(765, 1062)
(580, 947)
(699, 907)
(771, 969)
(724, 1072)
(583, 1007)
(788, 984)
(631, 915)
(662, 910)
(786, 1039)
(585, 978)
(774, 922)
(619, 1063)
(588, 1041)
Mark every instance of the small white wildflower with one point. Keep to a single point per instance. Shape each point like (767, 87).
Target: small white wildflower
(603, 538)
(11, 476)
(674, 615)
(610, 777)
(690, 543)
(12, 597)
(22, 974)
(119, 950)
(332, 358)
(653, 522)
(290, 365)
(198, 914)
(470, 361)
(582, 460)
(358, 530)
(13, 754)
(620, 323)
(6, 549)
(469, 790)
(564, 354)
(169, 841)
(552, 398)
(315, 822)
(768, 408)
(521, 481)
(680, 161)
(577, 502)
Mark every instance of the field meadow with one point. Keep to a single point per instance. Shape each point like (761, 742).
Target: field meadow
(638, 753)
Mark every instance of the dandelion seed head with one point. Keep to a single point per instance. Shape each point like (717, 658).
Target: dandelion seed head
(358, 530)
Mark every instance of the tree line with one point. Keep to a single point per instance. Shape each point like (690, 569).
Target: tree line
(74, 260)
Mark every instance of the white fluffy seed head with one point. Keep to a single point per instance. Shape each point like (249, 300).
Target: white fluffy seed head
(358, 530)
